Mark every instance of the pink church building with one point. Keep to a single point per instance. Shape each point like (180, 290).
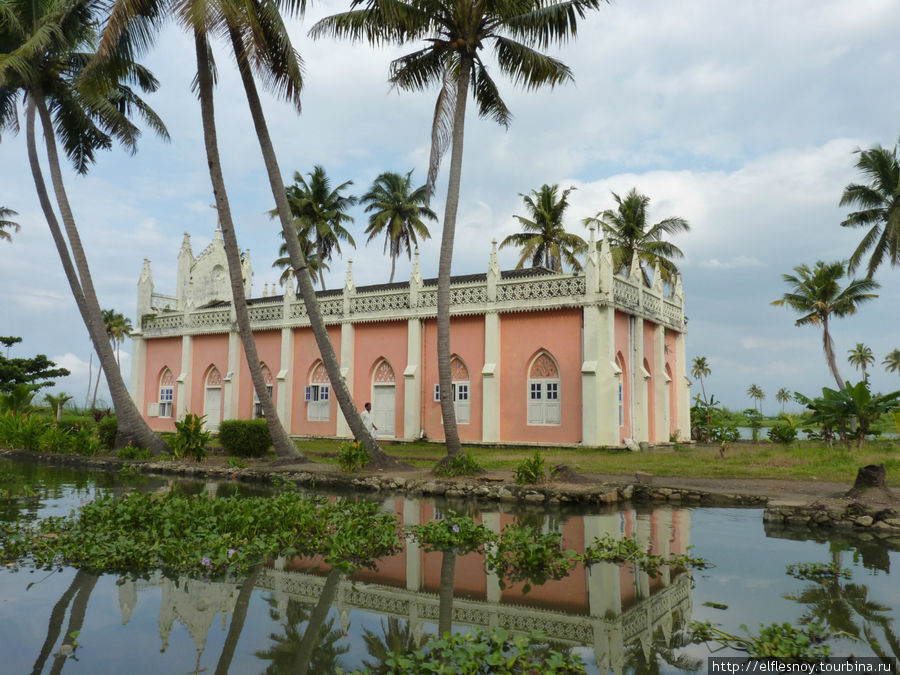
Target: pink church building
(589, 358)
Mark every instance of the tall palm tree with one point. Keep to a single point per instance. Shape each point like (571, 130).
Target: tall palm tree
(783, 396)
(757, 394)
(44, 59)
(118, 327)
(630, 234)
(455, 32)
(544, 239)
(860, 357)
(6, 224)
(700, 369)
(817, 295)
(320, 213)
(283, 261)
(891, 362)
(879, 204)
(396, 210)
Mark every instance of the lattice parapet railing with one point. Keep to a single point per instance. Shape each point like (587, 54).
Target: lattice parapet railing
(468, 297)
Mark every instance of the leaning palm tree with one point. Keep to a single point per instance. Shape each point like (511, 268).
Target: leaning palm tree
(320, 213)
(817, 295)
(783, 396)
(6, 224)
(879, 203)
(891, 362)
(45, 52)
(455, 32)
(757, 394)
(396, 210)
(860, 357)
(631, 235)
(543, 238)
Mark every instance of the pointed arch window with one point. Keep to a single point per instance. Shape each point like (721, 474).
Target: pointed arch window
(318, 395)
(270, 388)
(544, 395)
(166, 393)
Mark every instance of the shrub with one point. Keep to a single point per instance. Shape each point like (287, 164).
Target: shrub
(353, 456)
(458, 465)
(190, 438)
(21, 430)
(71, 423)
(245, 438)
(84, 442)
(106, 432)
(55, 439)
(133, 452)
(783, 432)
(531, 470)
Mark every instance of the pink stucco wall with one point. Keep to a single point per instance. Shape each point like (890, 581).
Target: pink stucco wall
(306, 355)
(466, 342)
(268, 347)
(522, 336)
(374, 342)
(161, 353)
(209, 350)
(623, 351)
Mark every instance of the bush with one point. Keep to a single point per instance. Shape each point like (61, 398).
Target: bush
(84, 442)
(531, 470)
(190, 438)
(133, 452)
(245, 438)
(21, 431)
(783, 432)
(70, 424)
(106, 432)
(56, 439)
(353, 456)
(458, 465)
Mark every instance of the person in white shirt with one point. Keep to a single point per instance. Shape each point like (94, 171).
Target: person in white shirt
(368, 421)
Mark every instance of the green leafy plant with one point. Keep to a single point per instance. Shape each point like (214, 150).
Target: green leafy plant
(245, 438)
(84, 442)
(817, 571)
(784, 431)
(459, 465)
(56, 440)
(626, 550)
(454, 532)
(531, 470)
(190, 438)
(236, 463)
(835, 409)
(106, 432)
(778, 640)
(525, 553)
(133, 452)
(352, 456)
(21, 430)
(754, 421)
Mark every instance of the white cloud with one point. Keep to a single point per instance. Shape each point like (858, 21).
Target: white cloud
(737, 261)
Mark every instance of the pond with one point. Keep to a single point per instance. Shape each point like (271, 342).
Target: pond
(297, 616)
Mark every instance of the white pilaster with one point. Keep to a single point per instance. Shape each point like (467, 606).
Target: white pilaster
(660, 386)
(285, 377)
(490, 379)
(412, 381)
(231, 384)
(348, 348)
(642, 537)
(599, 377)
(639, 378)
(185, 378)
(138, 370)
(682, 390)
(603, 580)
(491, 520)
(414, 577)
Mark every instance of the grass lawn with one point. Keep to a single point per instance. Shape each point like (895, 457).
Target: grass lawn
(801, 460)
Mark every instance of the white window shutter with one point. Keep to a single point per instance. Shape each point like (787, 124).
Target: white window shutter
(463, 409)
(153, 410)
(535, 407)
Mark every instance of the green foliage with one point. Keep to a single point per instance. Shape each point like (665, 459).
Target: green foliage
(106, 432)
(524, 553)
(754, 421)
(245, 438)
(17, 399)
(21, 430)
(72, 423)
(133, 452)
(496, 651)
(198, 534)
(84, 442)
(353, 456)
(834, 409)
(459, 465)
(36, 372)
(235, 463)
(784, 431)
(626, 550)
(56, 439)
(778, 640)
(531, 470)
(190, 438)
(454, 532)
(817, 571)
(711, 422)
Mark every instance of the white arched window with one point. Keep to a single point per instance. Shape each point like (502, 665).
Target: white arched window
(544, 391)
(270, 388)
(166, 393)
(318, 395)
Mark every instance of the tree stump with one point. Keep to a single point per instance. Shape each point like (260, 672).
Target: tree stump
(871, 476)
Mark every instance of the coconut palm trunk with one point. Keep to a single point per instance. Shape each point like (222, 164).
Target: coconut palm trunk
(448, 413)
(131, 426)
(828, 345)
(316, 620)
(238, 617)
(54, 627)
(445, 592)
(284, 447)
(298, 262)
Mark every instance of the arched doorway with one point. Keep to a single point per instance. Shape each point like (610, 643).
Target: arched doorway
(212, 399)
(384, 398)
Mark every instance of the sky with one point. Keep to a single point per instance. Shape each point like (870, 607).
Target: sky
(742, 118)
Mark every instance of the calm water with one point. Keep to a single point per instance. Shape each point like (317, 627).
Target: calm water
(296, 615)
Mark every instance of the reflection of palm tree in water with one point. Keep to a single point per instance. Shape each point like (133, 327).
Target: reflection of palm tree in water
(80, 589)
(315, 650)
(395, 640)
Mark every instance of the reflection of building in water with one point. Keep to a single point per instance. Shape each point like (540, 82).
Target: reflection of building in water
(606, 607)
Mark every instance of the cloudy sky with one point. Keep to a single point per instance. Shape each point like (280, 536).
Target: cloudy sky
(740, 117)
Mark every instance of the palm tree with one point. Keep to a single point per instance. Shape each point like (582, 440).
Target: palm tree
(5, 224)
(544, 238)
(57, 402)
(454, 33)
(283, 262)
(860, 357)
(817, 295)
(757, 394)
(44, 61)
(630, 235)
(118, 327)
(396, 211)
(320, 213)
(783, 396)
(700, 369)
(879, 203)
(891, 362)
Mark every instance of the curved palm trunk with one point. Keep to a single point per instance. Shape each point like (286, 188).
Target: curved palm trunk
(317, 618)
(76, 619)
(284, 447)
(131, 426)
(238, 617)
(445, 592)
(55, 625)
(298, 263)
(448, 414)
(393, 268)
(828, 345)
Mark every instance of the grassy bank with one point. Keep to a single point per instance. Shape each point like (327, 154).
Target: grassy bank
(806, 460)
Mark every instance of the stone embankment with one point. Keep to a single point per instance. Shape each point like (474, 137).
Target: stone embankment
(845, 514)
